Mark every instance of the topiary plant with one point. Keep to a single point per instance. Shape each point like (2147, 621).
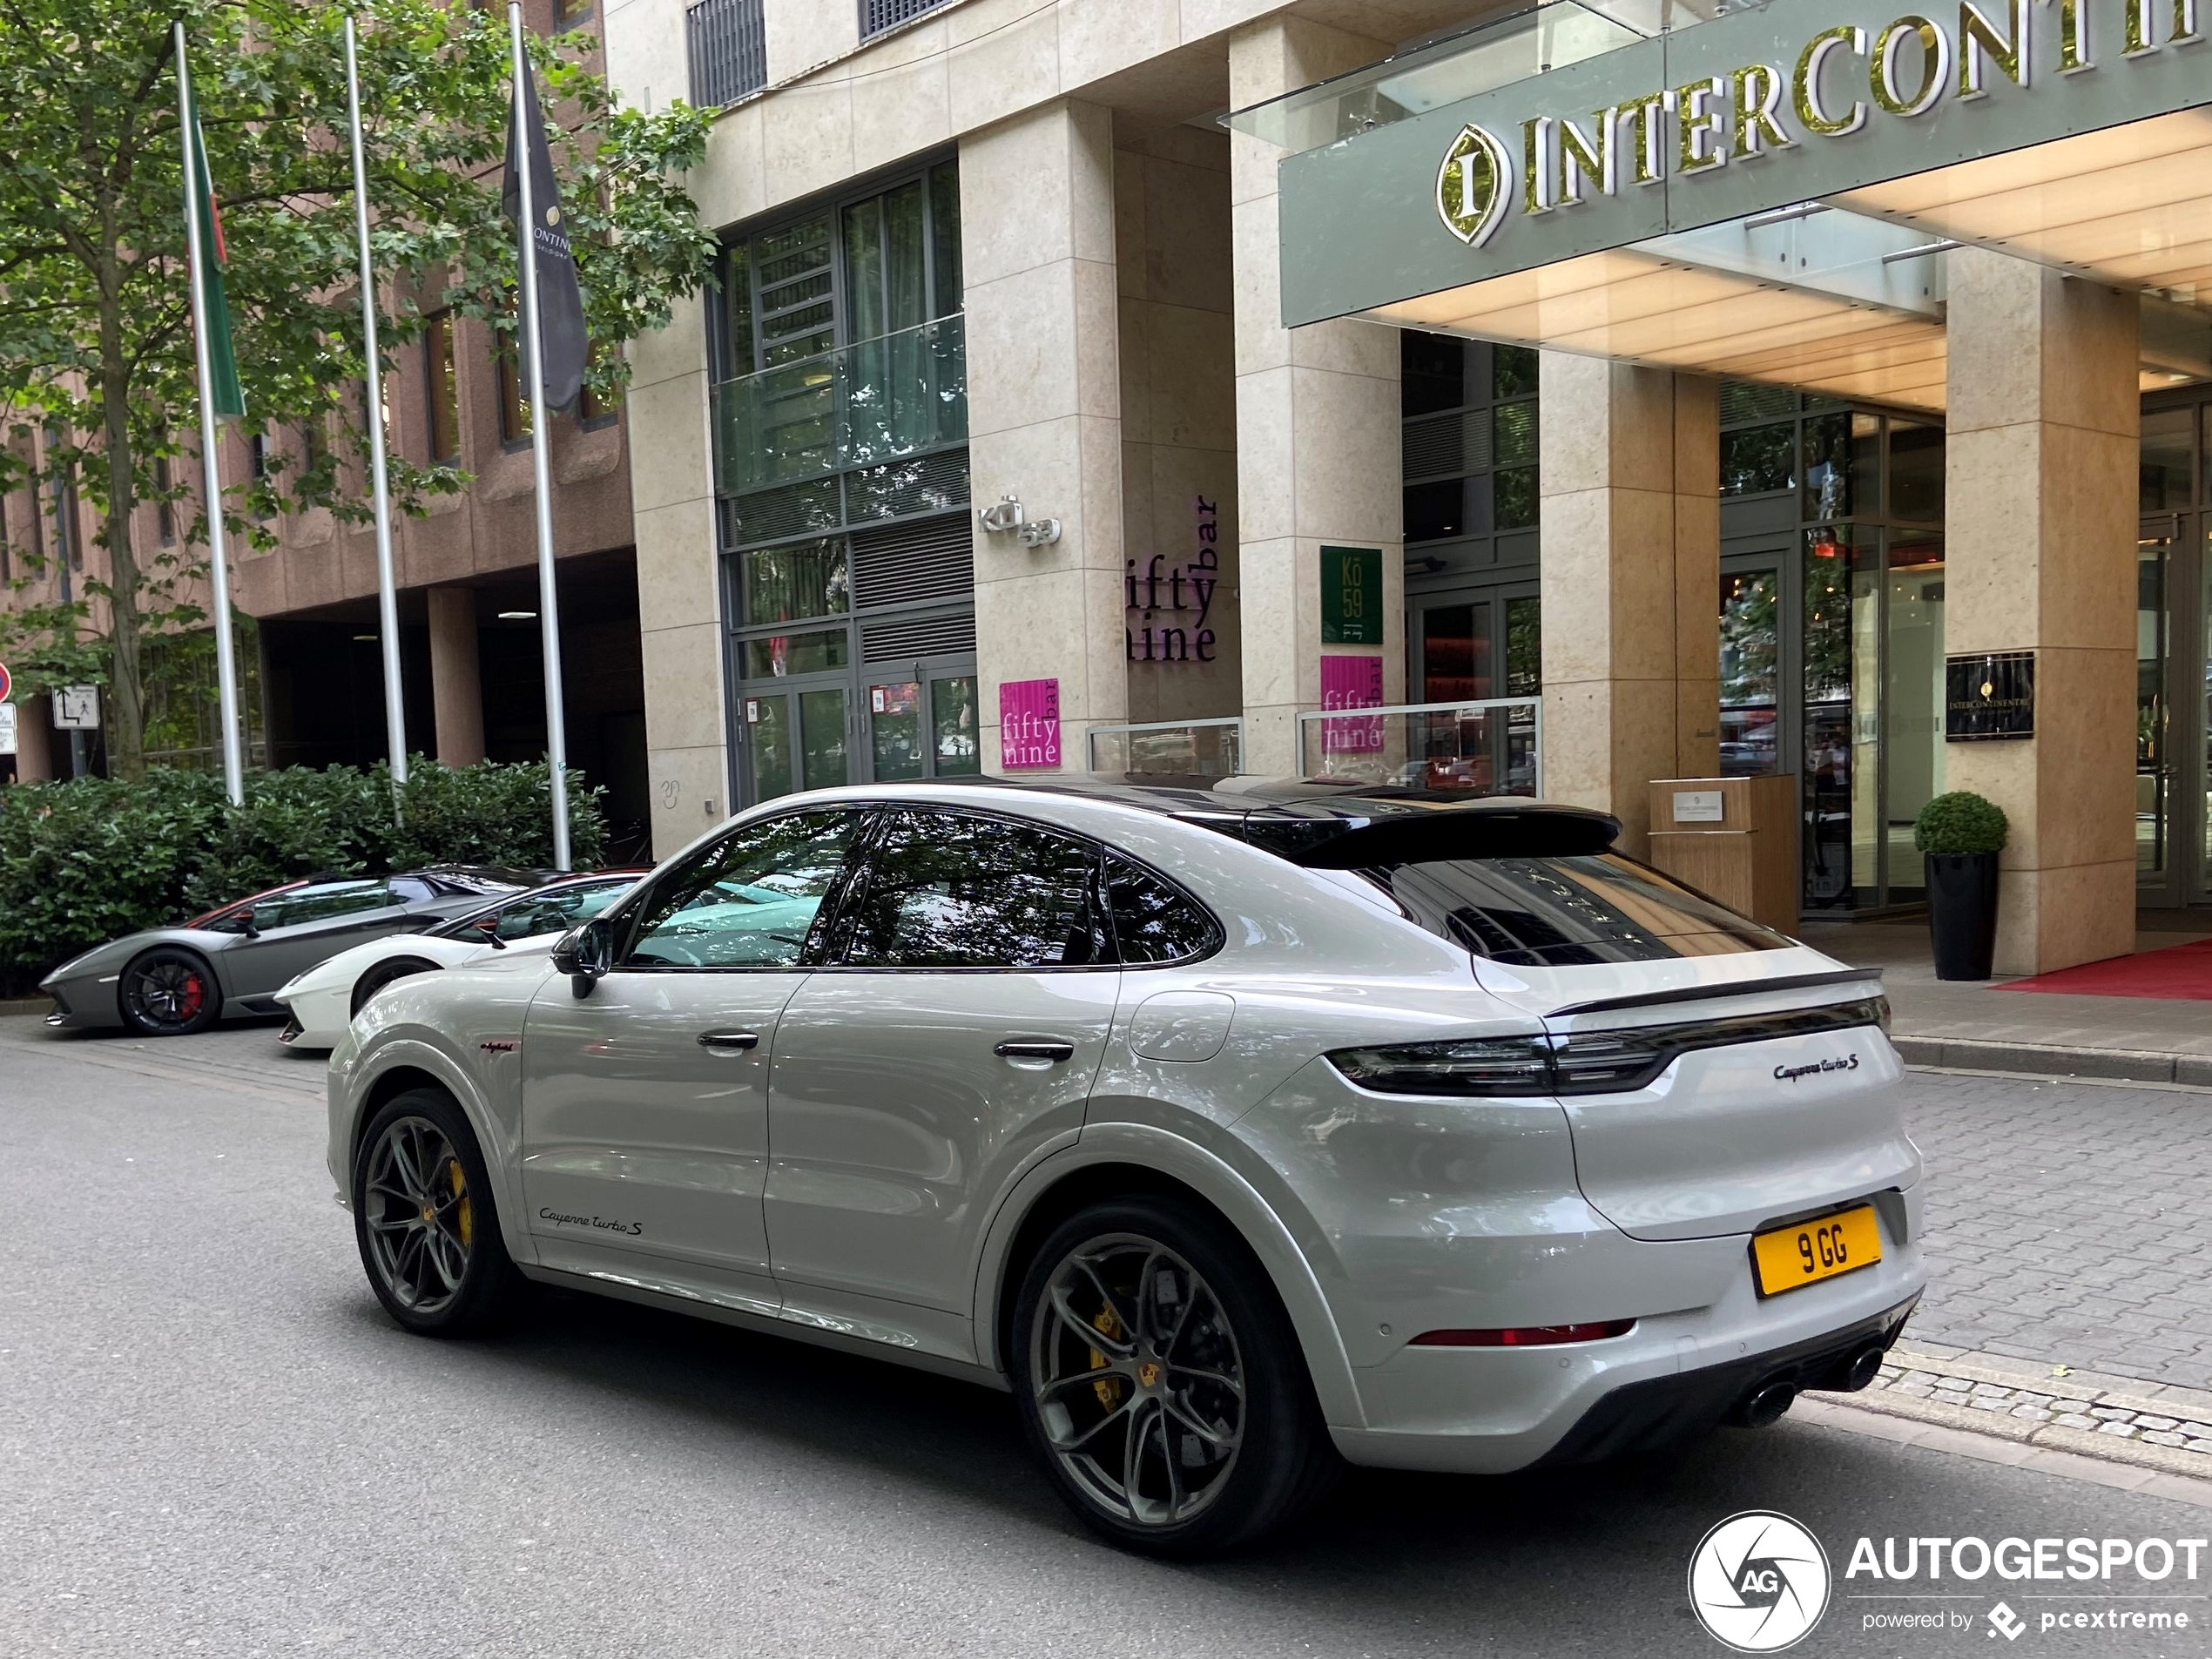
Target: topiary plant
(1960, 822)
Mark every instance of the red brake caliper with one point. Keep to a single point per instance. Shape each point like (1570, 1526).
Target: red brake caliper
(195, 995)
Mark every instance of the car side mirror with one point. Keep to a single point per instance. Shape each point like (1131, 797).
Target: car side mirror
(489, 927)
(584, 954)
(247, 925)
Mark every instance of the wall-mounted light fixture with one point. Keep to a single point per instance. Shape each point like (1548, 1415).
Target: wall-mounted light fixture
(1005, 518)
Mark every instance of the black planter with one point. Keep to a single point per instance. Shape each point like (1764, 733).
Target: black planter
(1962, 912)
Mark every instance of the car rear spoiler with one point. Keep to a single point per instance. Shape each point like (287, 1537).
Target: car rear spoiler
(1734, 987)
(1487, 829)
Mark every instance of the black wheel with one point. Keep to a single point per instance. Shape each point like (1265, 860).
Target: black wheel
(169, 992)
(426, 1220)
(1158, 1377)
(383, 974)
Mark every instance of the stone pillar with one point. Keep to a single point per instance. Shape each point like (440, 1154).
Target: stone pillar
(679, 603)
(1630, 515)
(1317, 421)
(456, 689)
(1036, 211)
(2039, 528)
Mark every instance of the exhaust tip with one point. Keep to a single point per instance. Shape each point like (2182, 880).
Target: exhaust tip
(1767, 1404)
(1864, 1367)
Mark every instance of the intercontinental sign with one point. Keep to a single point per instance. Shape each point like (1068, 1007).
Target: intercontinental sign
(1761, 108)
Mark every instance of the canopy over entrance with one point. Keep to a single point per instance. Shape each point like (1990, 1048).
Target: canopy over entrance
(1767, 194)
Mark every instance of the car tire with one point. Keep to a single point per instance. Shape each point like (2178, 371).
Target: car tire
(425, 1222)
(383, 974)
(1213, 1390)
(168, 992)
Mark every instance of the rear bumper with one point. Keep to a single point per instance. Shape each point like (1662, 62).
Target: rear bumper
(1488, 1411)
(1663, 1412)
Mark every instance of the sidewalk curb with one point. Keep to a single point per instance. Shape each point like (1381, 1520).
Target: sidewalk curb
(2015, 1402)
(39, 1006)
(1845, 1412)
(2123, 1065)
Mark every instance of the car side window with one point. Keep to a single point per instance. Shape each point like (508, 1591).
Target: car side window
(321, 902)
(1153, 922)
(746, 900)
(553, 912)
(946, 889)
(409, 889)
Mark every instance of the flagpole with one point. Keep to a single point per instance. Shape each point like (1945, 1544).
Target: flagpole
(210, 439)
(388, 602)
(548, 614)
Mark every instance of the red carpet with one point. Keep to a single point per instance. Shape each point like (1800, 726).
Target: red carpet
(2180, 972)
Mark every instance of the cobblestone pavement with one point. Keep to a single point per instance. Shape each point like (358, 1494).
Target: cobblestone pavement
(2068, 1222)
(2040, 1406)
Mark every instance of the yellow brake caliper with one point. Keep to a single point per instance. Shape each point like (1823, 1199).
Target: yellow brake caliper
(1108, 1389)
(463, 1221)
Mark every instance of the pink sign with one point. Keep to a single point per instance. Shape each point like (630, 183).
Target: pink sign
(1351, 683)
(1029, 723)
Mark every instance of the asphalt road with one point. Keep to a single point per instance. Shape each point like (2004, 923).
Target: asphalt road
(213, 1442)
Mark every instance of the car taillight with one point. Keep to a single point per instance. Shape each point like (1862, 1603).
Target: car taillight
(1581, 1062)
(1490, 1066)
(1525, 1336)
(1600, 1063)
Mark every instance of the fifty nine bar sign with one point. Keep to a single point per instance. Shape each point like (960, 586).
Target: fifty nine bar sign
(1759, 109)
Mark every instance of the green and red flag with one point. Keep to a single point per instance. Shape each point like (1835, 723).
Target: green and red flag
(222, 361)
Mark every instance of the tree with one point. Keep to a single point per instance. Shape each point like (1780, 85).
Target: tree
(96, 343)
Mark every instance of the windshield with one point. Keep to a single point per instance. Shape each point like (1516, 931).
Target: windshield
(1568, 912)
(552, 912)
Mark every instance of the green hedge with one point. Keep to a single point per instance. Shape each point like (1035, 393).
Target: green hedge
(83, 862)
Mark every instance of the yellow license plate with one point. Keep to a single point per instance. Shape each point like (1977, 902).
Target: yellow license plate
(1812, 1251)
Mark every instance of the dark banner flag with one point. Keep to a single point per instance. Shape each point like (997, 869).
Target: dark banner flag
(560, 302)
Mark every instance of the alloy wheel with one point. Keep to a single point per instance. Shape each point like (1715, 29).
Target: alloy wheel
(421, 1223)
(1138, 1380)
(166, 994)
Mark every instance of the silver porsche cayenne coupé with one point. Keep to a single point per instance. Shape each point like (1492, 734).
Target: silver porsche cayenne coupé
(1237, 1130)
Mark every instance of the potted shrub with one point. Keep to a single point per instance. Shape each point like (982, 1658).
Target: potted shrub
(1959, 836)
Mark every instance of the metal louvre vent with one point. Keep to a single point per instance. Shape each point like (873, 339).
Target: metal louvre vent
(729, 52)
(1741, 401)
(925, 484)
(1448, 446)
(876, 16)
(948, 635)
(914, 564)
(1432, 448)
(768, 513)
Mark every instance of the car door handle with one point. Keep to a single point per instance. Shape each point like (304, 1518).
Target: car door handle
(729, 1041)
(1035, 1048)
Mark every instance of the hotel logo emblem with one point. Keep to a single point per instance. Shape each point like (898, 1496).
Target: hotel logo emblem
(1474, 186)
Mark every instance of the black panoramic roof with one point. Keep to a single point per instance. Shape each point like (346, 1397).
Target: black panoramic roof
(1333, 824)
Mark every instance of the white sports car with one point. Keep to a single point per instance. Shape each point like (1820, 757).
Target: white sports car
(323, 1001)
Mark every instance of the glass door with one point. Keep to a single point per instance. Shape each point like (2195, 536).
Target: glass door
(2200, 714)
(2158, 874)
(1469, 648)
(924, 725)
(1913, 702)
(1751, 679)
(2174, 710)
(793, 740)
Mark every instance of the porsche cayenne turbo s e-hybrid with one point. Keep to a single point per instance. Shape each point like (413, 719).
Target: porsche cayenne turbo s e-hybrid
(1235, 1129)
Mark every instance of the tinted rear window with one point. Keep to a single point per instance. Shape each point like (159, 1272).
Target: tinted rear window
(1568, 912)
